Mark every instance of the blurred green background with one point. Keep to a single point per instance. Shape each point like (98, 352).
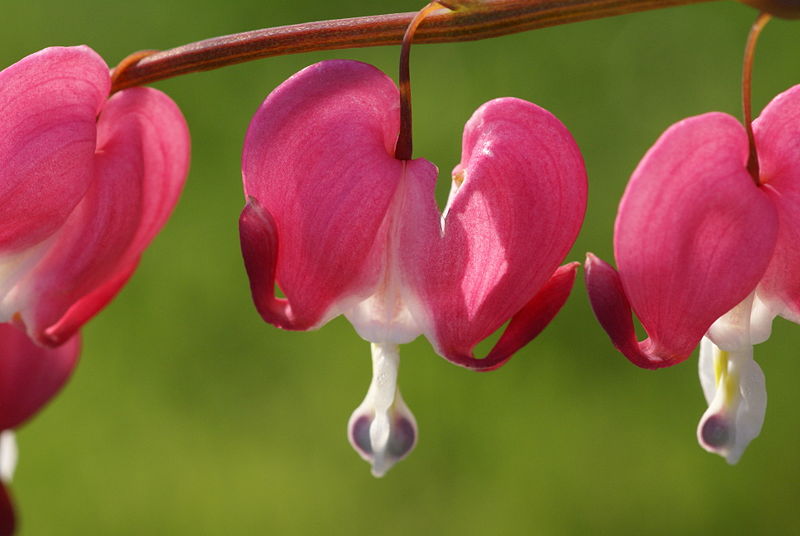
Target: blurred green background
(189, 415)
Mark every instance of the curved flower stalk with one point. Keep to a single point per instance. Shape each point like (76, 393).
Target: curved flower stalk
(343, 227)
(86, 183)
(705, 252)
(789, 9)
(30, 376)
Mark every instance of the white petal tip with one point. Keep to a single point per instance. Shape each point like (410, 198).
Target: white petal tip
(379, 472)
(734, 386)
(401, 439)
(718, 435)
(8, 455)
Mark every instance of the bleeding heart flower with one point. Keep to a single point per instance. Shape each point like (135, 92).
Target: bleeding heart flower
(30, 376)
(344, 227)
(85, 185)
(705, 251)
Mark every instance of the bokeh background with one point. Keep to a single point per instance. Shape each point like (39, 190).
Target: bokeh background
(189, 415)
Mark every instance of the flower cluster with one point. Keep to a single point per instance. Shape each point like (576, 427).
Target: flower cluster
(344, 227)
(707, 251)
(706, 241)
(87, 181)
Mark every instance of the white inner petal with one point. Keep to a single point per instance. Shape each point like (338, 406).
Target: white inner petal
(734, 387)
(385, 362)
(382, 429)
(8, 455)
(732, 381)
(385, 316)
(706, 369)
(731, 331)
(761, 320)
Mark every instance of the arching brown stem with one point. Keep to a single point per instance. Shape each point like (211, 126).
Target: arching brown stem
(127, 62)
(404, 146)
(472, 21)
(747, 109)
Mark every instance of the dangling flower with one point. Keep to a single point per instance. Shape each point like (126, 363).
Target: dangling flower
(85, 185)
(344, 227)
(705, 252)
(29, 377)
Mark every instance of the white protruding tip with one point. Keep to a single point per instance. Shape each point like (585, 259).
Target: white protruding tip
(736, 392)
(9, 454)
(382, 429)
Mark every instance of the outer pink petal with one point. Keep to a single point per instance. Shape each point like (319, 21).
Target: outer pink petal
(693, 235)
(259, 241)
(29, 374)
(318, 161)
(49, 103)
(777, 134)
(613, 311)
(508, 226)
(88, 306)
(8, 522)
(142, 159)
(527, 323)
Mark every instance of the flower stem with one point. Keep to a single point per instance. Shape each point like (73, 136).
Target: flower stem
(123, 66)
(747, 109)
(472, 21)
(403, 147)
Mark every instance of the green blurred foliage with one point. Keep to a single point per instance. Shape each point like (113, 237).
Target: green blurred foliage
(189, 415)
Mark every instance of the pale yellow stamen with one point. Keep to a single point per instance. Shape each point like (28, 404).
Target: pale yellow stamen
(726, 377)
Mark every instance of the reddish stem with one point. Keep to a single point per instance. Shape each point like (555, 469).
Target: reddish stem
(404, 146)
(747, 110)
(472, 21)
(127, 62)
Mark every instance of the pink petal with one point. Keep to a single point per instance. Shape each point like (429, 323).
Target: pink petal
(613, 311)
(507, 228)
(777, 132)
(29, 374)
(8, 522)
(259, 242)
(49, 103)
(692, 238)
(86, 307)
(318, 162)
(527, 323)
(141, 164)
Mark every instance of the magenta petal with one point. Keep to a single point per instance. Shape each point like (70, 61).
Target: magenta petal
(318, 159)
(150, 132)
(613, 311)
(527, 323)
(693, 235)
(49, 102)
(29, 374)
(259, 241)
(85, 308)
(507, 227)
(8, 521)
(777, 132)
(141, 164)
